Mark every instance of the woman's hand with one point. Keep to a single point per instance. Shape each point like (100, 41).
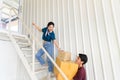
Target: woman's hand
(60, 50)
(33, 23)
(37, 27)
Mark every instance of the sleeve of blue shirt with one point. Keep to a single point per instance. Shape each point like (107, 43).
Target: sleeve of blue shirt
(44, 29)
(53, 36)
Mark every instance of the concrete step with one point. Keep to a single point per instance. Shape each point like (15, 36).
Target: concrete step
(4, 36)
(36, 63)
(44, 73)
(24, 45)
(27, 52)
(22, 40)
(40, 68)
(18, 36)
(29, 59)
(48, 78)
(26, 49)
(20, 43)
(28, 55)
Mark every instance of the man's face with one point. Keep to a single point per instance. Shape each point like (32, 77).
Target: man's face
(50, 28)
(78, 61)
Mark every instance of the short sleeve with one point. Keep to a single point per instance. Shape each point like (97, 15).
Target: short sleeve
(53, 36)
(44, 29)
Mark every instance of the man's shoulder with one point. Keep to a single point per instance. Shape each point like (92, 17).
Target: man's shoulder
(82, 70)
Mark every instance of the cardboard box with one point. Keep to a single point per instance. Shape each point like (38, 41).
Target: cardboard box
(68, 67)
(65, 56)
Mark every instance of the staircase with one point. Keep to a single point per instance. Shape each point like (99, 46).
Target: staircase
(24, 47)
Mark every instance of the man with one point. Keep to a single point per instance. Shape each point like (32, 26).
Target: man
(81, 73)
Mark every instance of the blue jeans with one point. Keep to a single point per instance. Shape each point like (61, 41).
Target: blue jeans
(49, 47)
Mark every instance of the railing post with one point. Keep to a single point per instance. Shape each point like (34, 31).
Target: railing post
(9, 24)
(33, 56)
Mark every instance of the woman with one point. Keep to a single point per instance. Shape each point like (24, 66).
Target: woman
(49, 41)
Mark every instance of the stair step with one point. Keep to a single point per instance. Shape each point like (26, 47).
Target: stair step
(20, 43)
(36, 63)
(3, 34)
(38, 68)
(29, 59)
(24, 45)
(26, 49)
(22, 40)
(27, 52)
(28, 55)
(40, 71)
(48, 77)
(19, 36)
(43, 72)
(4, 38)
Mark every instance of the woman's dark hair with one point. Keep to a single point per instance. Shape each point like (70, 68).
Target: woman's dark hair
(50, 23)
(83, 58)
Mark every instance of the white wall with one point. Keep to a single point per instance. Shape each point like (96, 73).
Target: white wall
(8, 61)
(11, 67)
(87, 26)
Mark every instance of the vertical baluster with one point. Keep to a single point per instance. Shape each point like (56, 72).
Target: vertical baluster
(33, 56)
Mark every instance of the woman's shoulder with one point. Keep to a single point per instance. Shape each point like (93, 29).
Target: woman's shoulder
(44, 29)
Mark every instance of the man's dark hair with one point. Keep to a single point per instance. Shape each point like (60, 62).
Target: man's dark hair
(83, 58)
(50, 23)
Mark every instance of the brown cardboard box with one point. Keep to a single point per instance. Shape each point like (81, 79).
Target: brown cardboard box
(68, 67)
(65, 56)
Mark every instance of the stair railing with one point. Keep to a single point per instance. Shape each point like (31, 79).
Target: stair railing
(25, 63)
(34, 39)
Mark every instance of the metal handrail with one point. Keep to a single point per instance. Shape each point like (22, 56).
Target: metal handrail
(36, 40)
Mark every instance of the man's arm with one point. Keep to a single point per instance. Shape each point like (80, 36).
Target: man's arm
(79, 76)
(37, 27)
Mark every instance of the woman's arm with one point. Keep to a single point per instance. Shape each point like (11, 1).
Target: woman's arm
(57, 45)
(37, 27)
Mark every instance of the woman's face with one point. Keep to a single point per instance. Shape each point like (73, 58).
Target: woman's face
(50, 28)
